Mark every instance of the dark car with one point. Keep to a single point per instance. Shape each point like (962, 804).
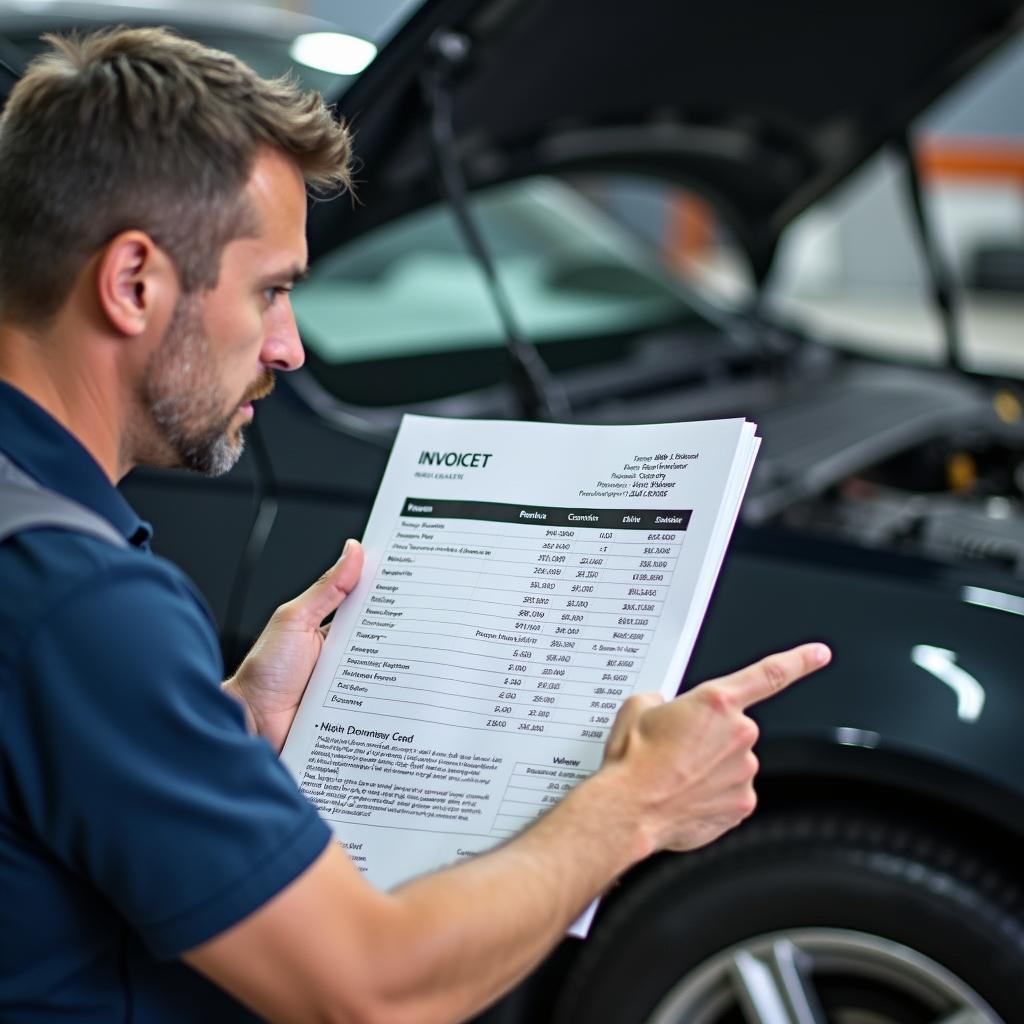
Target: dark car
(517, 161)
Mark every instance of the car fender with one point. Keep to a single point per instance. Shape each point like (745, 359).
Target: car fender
(924, 693)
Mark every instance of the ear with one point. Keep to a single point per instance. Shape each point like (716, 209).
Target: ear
(136, 283)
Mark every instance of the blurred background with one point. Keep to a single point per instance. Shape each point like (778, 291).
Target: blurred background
(848, 269)
(851, 268)
(886, 513)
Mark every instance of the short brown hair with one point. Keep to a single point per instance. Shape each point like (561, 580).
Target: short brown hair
(141, 128)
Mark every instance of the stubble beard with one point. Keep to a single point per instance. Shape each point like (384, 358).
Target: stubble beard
(186, 403)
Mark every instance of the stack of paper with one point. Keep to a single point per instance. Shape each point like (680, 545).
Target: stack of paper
(521, 580)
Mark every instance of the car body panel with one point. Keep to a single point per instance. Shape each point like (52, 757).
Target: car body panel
(874, 695)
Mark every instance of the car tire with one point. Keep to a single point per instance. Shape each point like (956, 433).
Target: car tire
(863, 919)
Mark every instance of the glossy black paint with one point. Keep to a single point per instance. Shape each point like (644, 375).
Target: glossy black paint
(873, 616)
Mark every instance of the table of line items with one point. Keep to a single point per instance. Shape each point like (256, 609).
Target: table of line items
(496, 616)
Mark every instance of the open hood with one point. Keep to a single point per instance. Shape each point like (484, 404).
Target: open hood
(763, 106)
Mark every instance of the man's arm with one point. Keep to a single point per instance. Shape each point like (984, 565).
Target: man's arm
(329, 947)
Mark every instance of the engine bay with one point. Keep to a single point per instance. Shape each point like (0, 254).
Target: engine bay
(956, 495)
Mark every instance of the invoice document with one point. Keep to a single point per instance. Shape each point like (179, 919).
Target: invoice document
(521, 581)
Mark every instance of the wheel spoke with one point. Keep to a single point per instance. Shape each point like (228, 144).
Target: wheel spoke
(789, 966)
(775, 990)
(773, 978)
(758, 994)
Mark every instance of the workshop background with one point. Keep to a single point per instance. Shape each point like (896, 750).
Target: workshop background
(808, 214)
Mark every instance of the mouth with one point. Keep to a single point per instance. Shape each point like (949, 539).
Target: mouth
(261, 389)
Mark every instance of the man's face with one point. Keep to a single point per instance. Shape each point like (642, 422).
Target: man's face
(221, 347)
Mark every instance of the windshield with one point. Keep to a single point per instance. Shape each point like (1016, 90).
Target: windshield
(411, 287)
(381, 315)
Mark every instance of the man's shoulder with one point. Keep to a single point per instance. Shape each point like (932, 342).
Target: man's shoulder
(51, 572)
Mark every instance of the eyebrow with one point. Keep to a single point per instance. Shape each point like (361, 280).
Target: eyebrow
(293, 275)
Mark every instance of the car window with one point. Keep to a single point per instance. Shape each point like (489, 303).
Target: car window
(574, 274)
(851, 268)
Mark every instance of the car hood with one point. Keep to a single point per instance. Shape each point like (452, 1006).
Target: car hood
(763, 106)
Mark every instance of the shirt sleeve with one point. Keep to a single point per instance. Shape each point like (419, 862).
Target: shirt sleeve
(138, 772)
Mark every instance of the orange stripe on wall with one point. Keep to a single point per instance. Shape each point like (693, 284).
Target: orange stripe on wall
(971, 158)
(690, 225)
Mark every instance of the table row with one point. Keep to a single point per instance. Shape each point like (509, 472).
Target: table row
(558, 723)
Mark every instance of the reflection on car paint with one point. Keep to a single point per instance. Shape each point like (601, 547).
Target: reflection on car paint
(941, 663)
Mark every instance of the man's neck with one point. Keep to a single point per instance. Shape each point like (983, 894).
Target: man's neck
(77, 387)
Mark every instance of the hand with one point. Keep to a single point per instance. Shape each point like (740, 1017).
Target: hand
(272, 678)
(689, 761)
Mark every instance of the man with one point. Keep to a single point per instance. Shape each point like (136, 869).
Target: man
(157, 862)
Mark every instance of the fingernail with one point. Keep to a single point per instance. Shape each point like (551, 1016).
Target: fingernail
(345, 549)
(821, 654)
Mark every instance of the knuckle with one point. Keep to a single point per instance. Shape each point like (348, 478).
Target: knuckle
(629, 704)
(633, 707)
(774, 673)
(747, 804)
(751, 765)
(717, 699)
(285, 611)
(747, 731)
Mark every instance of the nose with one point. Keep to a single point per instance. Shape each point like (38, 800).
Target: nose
(282, 347)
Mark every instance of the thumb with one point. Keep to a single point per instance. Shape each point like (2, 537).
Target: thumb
(314, 604)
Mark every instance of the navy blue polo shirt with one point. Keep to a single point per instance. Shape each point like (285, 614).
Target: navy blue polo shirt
(137, 816)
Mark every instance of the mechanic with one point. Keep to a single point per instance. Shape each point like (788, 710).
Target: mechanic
(157, 861)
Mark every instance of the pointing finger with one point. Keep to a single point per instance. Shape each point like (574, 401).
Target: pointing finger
(773, 674)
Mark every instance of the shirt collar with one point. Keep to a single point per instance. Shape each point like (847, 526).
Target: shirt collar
(52, 456)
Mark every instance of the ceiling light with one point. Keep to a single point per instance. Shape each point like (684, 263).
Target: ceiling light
(333, 52)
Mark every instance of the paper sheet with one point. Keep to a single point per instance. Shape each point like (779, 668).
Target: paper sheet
(521, 581)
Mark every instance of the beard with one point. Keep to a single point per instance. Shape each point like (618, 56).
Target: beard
(188, 408)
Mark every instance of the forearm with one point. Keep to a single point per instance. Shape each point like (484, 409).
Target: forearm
(438, 949)
(467, 934)
(331, 947)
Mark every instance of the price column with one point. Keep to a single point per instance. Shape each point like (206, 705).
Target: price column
(513, 618)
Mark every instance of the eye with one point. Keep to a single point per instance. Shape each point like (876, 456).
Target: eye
(271, 294)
